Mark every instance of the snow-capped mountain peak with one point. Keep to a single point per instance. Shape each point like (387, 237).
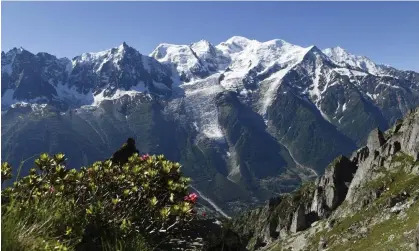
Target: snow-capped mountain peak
(342, 57)
(337, 53)
(241, 41)
(85, 80)
(99, 59)
(203, 48)
(238, 54)
(236, 44)
(204, 44)
(263, 53)
(181, 57)
(123, 46)
(194, 61)
(114, 53)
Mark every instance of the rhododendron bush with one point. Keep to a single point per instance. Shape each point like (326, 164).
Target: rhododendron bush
(147, 195)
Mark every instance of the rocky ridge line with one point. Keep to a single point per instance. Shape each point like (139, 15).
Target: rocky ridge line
(348, 186)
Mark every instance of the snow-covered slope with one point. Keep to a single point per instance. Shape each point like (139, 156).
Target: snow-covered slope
(208, 70)
(258, 55)
(193, 61)
(343, 58)
(256, 70)
(239, 60)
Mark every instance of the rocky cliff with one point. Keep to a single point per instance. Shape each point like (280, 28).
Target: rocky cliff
(369, 201)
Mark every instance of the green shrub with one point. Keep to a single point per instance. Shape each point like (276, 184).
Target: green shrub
(145, 197)
(6, 172)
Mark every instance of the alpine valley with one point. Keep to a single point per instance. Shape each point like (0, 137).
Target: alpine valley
(248, 120)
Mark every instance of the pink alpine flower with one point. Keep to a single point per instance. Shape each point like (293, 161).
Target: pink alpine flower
(191, 197)
(145, 157)
(51, 189)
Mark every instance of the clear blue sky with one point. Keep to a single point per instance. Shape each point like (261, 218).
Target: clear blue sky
(386, 32)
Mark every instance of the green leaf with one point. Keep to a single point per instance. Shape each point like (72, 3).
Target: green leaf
(153, 201)
(68, 231)
(44, 156)
(164, 212)
(89, 210)
(115, 201)
(59, 157)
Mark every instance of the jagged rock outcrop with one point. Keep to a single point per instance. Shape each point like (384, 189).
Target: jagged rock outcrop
(378, 153)
(296, 212)
(331, 188)
(375, 139)
(298, 220)
(386, 169)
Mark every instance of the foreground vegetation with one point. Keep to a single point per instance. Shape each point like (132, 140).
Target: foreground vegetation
(105, 206)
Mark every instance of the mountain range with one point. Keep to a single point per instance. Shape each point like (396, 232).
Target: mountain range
(248, 120)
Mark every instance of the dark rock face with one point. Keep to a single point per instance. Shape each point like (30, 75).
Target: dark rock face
(245, 133)
(332, 186)
(311, 139)
(29, 77)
